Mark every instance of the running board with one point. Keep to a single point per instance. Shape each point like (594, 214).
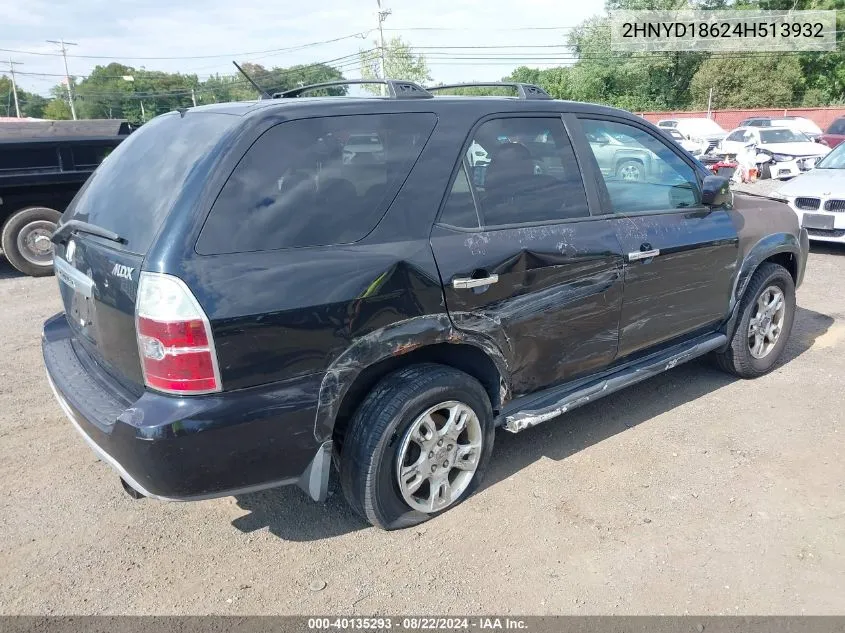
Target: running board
(565, 398)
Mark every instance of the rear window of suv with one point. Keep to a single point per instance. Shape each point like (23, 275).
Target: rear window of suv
(136, 186)
(315, 182)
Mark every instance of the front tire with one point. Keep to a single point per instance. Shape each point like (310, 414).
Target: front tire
(630, 171)
(767, 311)
(417, 446)
(26, 240)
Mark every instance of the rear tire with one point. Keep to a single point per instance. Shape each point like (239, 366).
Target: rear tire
(26, 240)
(405, 428)
(754, 348)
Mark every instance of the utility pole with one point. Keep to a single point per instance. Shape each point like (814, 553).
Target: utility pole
(710, 103)
(382, 15)
(15, 86)
(193, 97)
(63, 45)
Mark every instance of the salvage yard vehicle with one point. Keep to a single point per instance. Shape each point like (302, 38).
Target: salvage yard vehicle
(835, 133)
(795, 123)
(42, 166)
(705, 132)
(259, 317)
(781, 152)
(693, 147)
(818, 197)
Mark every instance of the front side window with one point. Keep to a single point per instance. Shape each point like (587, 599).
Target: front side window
(517, 171)
(315, 182)
(641, 172)
(737, 135)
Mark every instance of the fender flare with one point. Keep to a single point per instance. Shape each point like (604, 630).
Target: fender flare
(773, 244)
(395, 340)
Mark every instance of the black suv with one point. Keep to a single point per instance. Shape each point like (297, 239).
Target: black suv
(255, 292)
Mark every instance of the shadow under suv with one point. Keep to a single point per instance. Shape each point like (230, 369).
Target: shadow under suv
(252, 297)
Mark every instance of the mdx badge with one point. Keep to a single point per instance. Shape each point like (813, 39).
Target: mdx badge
(121, 271)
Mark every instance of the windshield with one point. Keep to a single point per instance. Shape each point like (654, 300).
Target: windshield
(837, 127)
(135, 187)
(782, 136)
(834, 160)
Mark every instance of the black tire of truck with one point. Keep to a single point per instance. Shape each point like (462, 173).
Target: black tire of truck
(380, 435)
(29, 224)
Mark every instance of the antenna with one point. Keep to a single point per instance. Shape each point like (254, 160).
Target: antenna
(264, 94)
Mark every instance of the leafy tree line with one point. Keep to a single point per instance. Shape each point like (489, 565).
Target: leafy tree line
(634, 81)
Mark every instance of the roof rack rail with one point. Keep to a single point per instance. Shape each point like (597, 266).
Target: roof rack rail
(396, 89)
(523, 90)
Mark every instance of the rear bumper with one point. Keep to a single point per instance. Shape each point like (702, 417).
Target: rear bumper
(190, 448)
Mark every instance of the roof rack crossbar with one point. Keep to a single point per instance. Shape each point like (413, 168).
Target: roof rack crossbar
(396, 89)
(523, 90)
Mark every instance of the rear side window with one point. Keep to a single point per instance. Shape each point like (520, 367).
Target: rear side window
(135, 187)
(837, 127)
(523, 170)
(315, 182)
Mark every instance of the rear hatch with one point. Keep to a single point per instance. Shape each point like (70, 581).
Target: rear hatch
(130, 194)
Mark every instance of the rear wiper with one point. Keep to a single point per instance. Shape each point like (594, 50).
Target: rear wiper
(61, 234)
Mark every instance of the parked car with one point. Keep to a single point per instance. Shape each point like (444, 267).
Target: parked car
(818, 197)
(256, 317)
(705, 132)
(667, 123)
(835, 133)
(693, 147)
(42, 166)
(796, 123)
(786, 152)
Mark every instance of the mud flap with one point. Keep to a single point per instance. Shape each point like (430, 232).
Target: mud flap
(315, 479)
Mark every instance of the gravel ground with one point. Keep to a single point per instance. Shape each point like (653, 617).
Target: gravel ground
(690, 493)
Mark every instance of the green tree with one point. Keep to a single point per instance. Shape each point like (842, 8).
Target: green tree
(753, 82)
(31, 104)
(57, 109)
(400, 62)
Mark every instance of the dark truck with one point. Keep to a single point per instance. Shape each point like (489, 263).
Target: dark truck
(251, 308)
(42, 166)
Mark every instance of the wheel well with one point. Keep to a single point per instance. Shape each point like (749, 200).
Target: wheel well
(466, 358)
(788, 261)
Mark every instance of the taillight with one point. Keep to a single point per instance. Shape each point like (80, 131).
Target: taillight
(174, 337)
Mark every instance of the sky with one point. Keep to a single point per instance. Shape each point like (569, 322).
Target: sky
(214, 32)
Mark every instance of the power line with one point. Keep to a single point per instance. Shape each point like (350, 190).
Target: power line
(360, 35)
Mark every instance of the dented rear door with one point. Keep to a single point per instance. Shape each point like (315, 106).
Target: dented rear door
(549, 289)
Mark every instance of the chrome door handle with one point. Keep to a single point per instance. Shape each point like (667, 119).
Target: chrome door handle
(637, 255)
(468, 282)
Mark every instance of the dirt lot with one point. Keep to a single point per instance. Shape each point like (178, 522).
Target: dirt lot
(691, 493)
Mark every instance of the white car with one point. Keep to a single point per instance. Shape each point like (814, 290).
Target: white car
(477, 155)
(695, 148)
(797, 123)
(705, 132)
(818, 197)
(785, 152)
(667, 123)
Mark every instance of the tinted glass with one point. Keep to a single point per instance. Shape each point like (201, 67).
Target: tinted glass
(459, 209)
(522, 170)
(641, 172)
(782, 136)
(134, 188)
(737, 135)
(837, 127)
(315, 182)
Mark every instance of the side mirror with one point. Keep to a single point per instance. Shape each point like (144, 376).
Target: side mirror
(715, 191)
